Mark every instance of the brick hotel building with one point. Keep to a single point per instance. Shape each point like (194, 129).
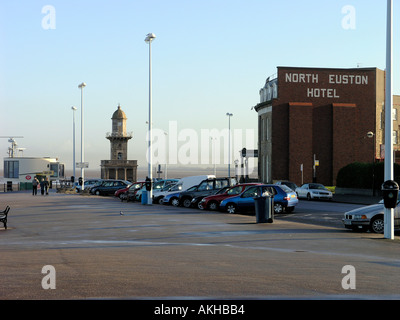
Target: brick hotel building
(314, 121)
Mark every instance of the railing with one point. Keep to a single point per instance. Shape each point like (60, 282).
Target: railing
(10, 186)
(119, 135)
(119, 162)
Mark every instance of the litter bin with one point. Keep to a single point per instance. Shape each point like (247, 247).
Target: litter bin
(264, 207)
(144, 197)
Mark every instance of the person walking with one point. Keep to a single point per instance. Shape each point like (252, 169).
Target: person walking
(42, 186)
(35, 183)
(46, 185)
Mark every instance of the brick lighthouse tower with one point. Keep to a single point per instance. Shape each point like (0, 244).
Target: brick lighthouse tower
(119, 167)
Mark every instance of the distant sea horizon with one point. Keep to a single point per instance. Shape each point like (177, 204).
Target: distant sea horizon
(172, 172)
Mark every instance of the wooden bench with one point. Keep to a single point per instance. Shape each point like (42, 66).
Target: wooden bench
(3, 216)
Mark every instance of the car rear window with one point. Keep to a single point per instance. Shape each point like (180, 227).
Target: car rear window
(286, 188)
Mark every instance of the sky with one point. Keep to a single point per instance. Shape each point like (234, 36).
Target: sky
(209, 58)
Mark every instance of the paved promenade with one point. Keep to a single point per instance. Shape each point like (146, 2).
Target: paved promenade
(101, 248)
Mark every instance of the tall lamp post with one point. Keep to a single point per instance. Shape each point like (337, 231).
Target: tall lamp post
(229, 144)
(389, 170)
(166, 158)
(213, 140)
(73, 138)
(149, 38)
(81, 86)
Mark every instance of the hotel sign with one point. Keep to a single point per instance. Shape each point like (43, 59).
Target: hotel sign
(330, 81)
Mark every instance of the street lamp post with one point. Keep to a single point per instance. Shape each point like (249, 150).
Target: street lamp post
(81, 86)
(389, 170)
(73, 138)
(166, 158)
(149, 38)
(229, 144)
(213, 140)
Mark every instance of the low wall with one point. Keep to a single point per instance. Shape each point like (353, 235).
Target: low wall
(356, 191)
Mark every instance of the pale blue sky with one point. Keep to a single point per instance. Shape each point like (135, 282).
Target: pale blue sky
(209, 58)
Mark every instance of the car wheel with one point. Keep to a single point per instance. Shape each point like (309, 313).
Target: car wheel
(278, 208)
(175, 202)
(377, 224)
(187, 202)
(231, 208)
(213, 206)
(97, 193)
(309, 197)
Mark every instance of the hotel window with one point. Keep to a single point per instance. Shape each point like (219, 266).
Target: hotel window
(395, 137)
(394, 114)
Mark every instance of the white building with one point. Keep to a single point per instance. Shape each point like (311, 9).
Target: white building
(24, 169)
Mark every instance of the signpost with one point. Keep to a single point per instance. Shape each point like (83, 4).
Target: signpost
(82, 165)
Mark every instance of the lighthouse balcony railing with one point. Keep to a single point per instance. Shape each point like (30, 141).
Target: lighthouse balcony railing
(119, 135)
(118, 163)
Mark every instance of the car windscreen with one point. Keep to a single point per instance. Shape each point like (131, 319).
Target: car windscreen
(317, 186)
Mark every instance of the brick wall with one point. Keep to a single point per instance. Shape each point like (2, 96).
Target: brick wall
(326, 112)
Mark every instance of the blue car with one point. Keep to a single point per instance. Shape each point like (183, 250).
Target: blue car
(173, 198)
(285, 199)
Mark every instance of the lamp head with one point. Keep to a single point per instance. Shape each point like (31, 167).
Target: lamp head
(74, 108)
(150, 37)
(82, 85)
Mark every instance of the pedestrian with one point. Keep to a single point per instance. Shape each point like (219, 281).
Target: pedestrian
(42, 186)
(35, 183)
(46, 185)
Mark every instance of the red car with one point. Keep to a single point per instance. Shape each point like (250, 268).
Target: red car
(212, 202)
(124, 193)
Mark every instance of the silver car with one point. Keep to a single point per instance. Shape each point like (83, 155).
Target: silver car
(312, 191)
(370, 218)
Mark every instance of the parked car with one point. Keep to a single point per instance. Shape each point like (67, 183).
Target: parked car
(285, 199)
(205, 188)
(172, 188)
(370, 218)
(89, 183)
(157, 188)
(137, 196)
(128, 192)
(159, 185)
(312, 191)
(173, 197)
(212, 202)
(108, 187)
(289, 184)
(196, 200)
(182, 185)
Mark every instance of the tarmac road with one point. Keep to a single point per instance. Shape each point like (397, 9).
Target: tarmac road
(162, 252)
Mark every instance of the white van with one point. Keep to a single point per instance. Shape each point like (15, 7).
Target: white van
(182, 185)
